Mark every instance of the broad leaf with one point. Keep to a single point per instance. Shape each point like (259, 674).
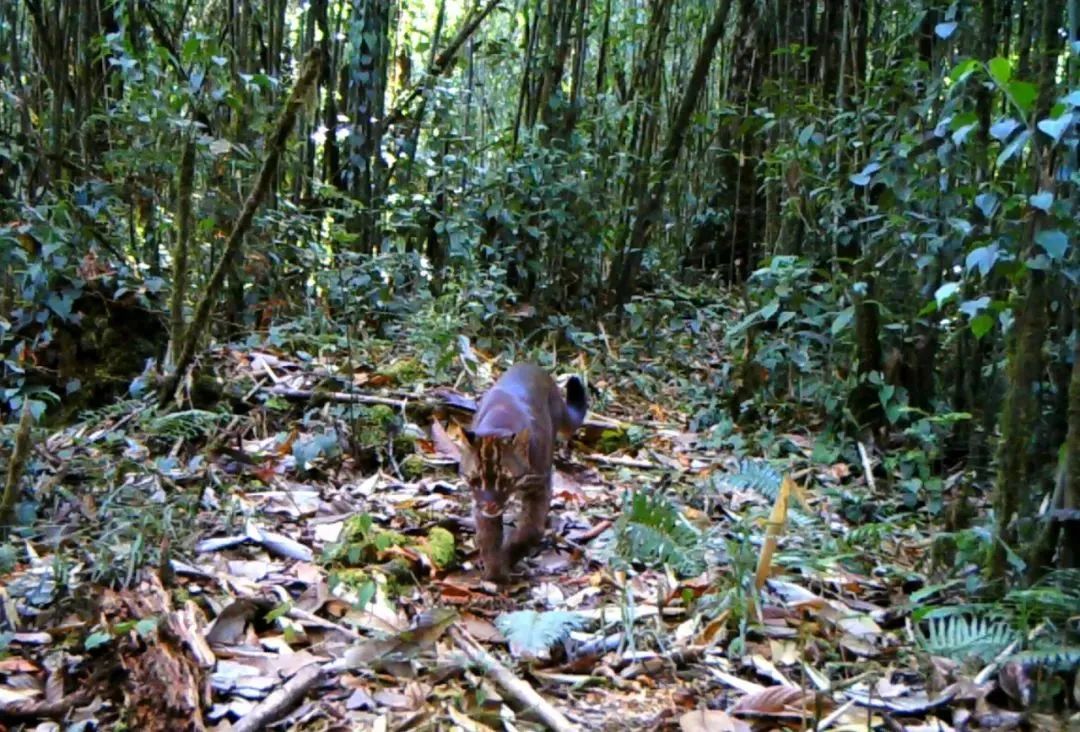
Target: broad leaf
(944, 30)
(971, 308)
(982, 258)
(946, 292)
(1014, 147)
(1042, 200)
(987, 203)
(981, 325)
(1055, 128)
(1054, 242)
(842, 319)
(1001, 129)
(1023, 94)
(963, 69)
(863, 178)
(1000, 70)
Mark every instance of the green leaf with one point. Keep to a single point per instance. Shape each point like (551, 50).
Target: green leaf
(94, 640)
(365, 595)
(844, 317)
(987, 203)
(981, 324)
(982, 258)
(1054, 242)
(1001, 129)
(37, 409)
(963, 69)
(1023, 94)
(946, 292)
(1055, 128)
(944, 30)
(1000, 70)
(863, 178)
(1014, 147)
(146, 626)
(1041, 200)
(971, 308)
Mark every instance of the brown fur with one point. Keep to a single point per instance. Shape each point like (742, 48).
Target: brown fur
(510, 448)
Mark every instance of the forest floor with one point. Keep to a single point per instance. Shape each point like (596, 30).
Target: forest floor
(307, 559)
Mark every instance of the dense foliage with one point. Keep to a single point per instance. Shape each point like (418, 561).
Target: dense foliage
(855, 215)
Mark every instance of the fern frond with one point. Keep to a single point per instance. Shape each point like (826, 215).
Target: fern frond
(188, 424)
(758, 476)
(1050, 659)
(963, 637)
(115, 410)
(531, 633)
(652, 530)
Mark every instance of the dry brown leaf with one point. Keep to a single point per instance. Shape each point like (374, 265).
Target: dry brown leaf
(15, 665)
(774, 701)
(443, 443)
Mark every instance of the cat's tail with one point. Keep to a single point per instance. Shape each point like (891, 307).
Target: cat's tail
(577, 403)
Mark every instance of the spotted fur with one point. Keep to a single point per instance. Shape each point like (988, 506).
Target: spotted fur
(509, 451)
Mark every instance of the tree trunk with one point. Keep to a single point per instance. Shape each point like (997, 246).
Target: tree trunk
(650, 205)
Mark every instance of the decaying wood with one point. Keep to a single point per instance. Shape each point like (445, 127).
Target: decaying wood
(277, 704)
(46, 708)
(520, 690)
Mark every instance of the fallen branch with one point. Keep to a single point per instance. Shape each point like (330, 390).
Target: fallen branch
(335, 396)
(621, 462)
(48, 709)
(520, 690)
(274, 706)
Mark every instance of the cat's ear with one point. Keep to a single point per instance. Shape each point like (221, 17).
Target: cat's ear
(521, 443)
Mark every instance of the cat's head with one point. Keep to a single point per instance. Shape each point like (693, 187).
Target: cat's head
(495, 466)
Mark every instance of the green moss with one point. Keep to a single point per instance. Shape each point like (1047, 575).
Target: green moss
(613, 439)
(405, 371)
(412, 467)
(439, 547)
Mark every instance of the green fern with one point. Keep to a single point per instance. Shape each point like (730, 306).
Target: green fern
(962, 637)
(758, 476)
(1065, 659)
(187, 424)
(112, 411)
(653, 531)
(1055, 598)
(531, 633)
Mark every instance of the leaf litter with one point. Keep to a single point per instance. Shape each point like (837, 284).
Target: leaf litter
(305, 560)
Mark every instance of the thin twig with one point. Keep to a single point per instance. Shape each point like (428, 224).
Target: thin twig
(623, 462)
(868, 469)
